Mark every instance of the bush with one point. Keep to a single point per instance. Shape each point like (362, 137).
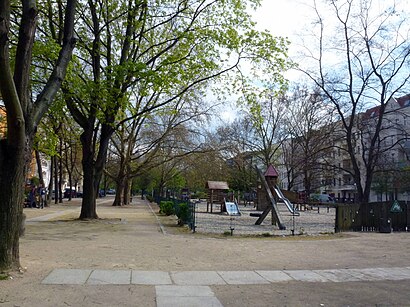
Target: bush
(198, 195)
(166, 207)
(183, 213)
(149, 198)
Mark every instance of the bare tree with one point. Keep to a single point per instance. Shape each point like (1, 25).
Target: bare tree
(310, 131)
(166, 137)
(266, 115)
(361, 60)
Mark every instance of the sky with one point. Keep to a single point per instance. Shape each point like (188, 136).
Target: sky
(294, 19)
(284, 18)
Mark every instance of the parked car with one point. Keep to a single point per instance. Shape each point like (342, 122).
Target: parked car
(110, 191)
(66, 193)
(322, 198)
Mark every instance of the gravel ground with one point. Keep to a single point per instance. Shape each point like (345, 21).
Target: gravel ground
(309, 222)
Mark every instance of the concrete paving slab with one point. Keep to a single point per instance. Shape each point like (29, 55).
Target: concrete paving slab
(306, 275)
(387, 273)
(361, 275)
(397, 273)
(341, 275)
(242, 278)
(197, 278)
(150, 278)
(184, 291)
(377, 273)
(274, 276)
(110, 277)
(67, 277)
(188, 302)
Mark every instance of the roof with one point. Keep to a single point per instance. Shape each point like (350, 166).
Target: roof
(217, 185)
(271, 172)
(373, 112)
(403, 102)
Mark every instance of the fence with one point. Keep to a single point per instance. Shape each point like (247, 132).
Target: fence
(382, 216)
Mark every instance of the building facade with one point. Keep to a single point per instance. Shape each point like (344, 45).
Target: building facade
(330, 171)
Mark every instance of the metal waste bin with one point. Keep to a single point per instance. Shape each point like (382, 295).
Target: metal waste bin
(385, 225)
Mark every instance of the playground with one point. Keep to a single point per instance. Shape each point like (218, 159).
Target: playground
(310, 222)
(271, 213)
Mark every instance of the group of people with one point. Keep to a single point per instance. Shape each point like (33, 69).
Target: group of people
(37, 197)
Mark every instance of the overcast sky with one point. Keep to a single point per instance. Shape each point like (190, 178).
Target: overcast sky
(287, 18)
(282, 17)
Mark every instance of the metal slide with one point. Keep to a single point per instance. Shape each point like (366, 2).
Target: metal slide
(232, 208)
(288, 204)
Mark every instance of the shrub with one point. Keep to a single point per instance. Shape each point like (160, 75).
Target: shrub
(183, 213)
(166, 207)
(199, 195)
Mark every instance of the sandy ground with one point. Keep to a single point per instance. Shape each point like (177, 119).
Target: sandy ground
(131, 238)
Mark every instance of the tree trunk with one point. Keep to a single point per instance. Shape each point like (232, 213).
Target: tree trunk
(93, 167)
(11, 205)
(90, 190)
(120, 187)
(127, 191)
(50, 184)
(56, 186)
(60, 175)
(39, 168)
(118, 195)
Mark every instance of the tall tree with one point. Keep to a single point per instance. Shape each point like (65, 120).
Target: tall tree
(309, 124)
(361, 60)
(172, 130)
(150, 54)
(23, 113)
(235, 146)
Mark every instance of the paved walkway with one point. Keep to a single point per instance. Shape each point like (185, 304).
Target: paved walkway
(48, 217)
(191, 288)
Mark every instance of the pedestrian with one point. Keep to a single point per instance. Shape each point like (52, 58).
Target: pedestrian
(42, 195)
(32, 197)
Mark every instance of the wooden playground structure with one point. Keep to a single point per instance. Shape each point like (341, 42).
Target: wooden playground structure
(217, 192)
(268, 196)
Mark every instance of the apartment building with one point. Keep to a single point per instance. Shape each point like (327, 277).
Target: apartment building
(330, 170)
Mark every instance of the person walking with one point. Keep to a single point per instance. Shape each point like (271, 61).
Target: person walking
(32, 197)
(42, 194)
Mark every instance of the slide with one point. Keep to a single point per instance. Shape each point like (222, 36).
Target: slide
(232, 208)
(285, 200)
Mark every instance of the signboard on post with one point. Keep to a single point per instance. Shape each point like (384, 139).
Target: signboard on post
(396, 208)
(232, 208)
